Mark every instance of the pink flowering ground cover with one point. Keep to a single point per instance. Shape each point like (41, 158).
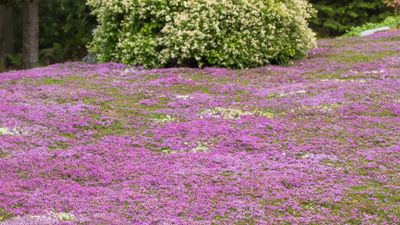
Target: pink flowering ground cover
(317, 142)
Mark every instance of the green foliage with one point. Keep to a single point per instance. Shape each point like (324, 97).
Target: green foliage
(13, 61)
(336, 17)
(391, 21)
(13, 3)
(4, 215)
(65, 28)
(227, 33)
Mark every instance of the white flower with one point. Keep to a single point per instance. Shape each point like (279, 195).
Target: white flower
(12, 132)
(182, 96)
(234, 114)
(201, 147)
(161, 118)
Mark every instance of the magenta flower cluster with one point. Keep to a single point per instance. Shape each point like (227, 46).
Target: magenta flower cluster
(317, 142)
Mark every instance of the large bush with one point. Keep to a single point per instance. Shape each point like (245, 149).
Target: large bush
(336, 17)
(228, 33)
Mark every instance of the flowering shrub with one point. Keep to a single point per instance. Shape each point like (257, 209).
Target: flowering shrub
(245, 33)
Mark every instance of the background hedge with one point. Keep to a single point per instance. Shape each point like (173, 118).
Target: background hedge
(336, 17)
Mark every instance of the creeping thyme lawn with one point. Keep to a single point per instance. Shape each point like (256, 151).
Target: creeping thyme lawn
(317, 142)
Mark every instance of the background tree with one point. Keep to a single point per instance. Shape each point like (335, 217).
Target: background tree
(6, 32)
(65, 28)
(30, 33)
(395, 4)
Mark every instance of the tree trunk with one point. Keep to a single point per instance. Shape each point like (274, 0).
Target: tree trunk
(30, 33)
(6, 33)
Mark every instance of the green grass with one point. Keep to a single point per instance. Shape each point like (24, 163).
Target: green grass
(350, 57)
(4, 215)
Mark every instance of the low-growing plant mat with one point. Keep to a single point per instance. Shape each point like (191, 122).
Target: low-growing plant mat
(317, 142)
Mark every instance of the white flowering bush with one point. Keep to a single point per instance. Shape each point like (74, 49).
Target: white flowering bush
(227, 33)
